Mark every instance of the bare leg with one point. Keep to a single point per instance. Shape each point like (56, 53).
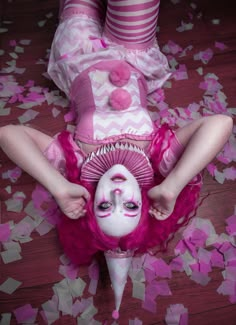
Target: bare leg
(25, 146)
(203, 138)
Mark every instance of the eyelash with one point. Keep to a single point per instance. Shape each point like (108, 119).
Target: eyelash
(128, 205)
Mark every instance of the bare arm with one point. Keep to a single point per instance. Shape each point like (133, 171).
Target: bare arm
(25, 146)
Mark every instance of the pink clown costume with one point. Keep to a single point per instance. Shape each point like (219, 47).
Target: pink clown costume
(106, 59)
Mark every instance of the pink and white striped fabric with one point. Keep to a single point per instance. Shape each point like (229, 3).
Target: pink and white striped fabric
(92, 8)
(132, 22)
(82, 40)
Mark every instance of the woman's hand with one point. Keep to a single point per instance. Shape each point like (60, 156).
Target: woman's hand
(71, 199)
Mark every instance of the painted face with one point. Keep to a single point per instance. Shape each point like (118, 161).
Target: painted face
(118, 202)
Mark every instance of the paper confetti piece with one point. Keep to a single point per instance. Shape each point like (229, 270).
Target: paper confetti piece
(215, 21)
(5, 111)
(4, 232)
(138, 291)
(25, 314)
(227, 288)
(174, 314)
(41, 23)
(10, 285)
(29, 115)
(161, 268)
(135, 321)
(15, 204)
(89, 312)
(204, 56)
(44, 228)
(230, 173)
(3, 30)
(12, 174)
(10, 256)
(149, 304)
(184, 27)
(77, 287)
(50, 311)
(6, 319)
(220, 46)
(200, 71)
(25, 42)
(200, 278)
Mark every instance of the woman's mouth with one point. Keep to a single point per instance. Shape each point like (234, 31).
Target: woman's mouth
(118, 178)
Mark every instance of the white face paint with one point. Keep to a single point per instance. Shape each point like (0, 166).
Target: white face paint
(118, 202)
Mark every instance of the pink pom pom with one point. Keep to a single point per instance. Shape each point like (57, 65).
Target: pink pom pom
(120, 99)
(115, 314)
(120, 75)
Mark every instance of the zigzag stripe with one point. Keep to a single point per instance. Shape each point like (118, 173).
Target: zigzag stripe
(137, 126)
(114, 128)
(103, 134)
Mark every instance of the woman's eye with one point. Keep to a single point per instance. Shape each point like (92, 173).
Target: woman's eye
(131, 205)
(104, 205)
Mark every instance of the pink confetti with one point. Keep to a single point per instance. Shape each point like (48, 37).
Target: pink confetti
(231, 228)
(176, 315)
(162, 288)
(70, 116)
(149, 275)
(149, 304)
(217, 259)
(5, 232)
(181, 73)
(12, 174)
(220, 46)
(200, 278)
(172, 48)
(230, 173)
(162, 269)
(177, 264)
(25, 313)
(204, 56)
(211, 169)
(12, 43)
(227, 287)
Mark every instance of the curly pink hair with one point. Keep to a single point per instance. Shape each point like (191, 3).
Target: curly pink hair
(82, 238)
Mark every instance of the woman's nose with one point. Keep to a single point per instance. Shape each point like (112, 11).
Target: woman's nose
(117, 196)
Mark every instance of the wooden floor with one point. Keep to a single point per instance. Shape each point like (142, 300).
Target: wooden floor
(36, 20)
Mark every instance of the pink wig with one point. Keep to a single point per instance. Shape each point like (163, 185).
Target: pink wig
(81, 239)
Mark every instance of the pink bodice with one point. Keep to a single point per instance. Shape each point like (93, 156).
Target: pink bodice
(102, 116)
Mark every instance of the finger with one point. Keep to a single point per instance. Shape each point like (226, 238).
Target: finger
(86, 195)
